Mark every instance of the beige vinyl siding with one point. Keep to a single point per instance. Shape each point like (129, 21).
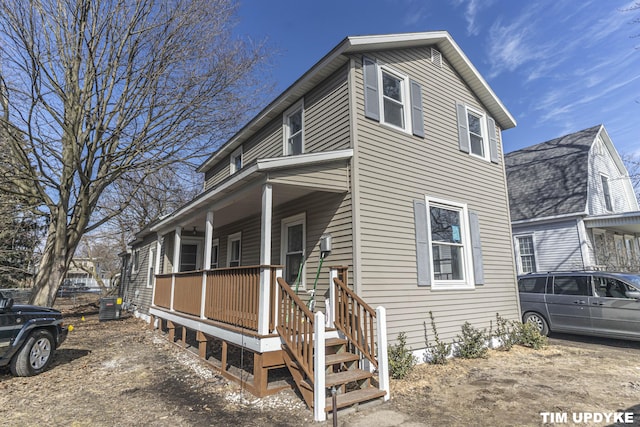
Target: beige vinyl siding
(396, 168)
(325, 213)
(316, 176)
(326, 128)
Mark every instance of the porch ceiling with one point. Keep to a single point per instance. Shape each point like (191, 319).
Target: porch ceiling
(241, 196)
(626, 223)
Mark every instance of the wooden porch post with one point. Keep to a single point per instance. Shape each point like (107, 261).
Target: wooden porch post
(330, 306)
(208, 240)
(265, 259)
(156, 268)
(176, 261)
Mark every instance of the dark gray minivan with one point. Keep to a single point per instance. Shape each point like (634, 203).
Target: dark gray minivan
(586, 302)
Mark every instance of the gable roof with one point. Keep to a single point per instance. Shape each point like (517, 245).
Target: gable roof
(338, 56)
(551, 178)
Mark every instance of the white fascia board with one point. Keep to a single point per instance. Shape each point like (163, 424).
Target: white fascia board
(303, 159)
(549, 218)
(453, 53)
(205, 198)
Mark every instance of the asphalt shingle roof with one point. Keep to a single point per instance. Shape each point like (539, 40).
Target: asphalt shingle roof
(550, 178)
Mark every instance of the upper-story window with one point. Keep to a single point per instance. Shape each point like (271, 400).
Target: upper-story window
(293, 129)
(392, 98)
(235, 163)
(477, 133)
(606, 193)
(477, 140)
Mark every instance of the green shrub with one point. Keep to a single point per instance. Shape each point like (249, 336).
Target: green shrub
(439, 351)
(472, 343)
(506, 332)
(529, 336)
(401, 360)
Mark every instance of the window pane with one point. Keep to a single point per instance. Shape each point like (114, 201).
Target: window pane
(292, 267)
(445, 225)
(393, 113)
(237, 161)
(477, 145)
(447, 262)
(533, 284)
(572, 285)
(392, 87)
(295, 122)
(234, 261)
(294, 238)
(295, 144)
(474, 124)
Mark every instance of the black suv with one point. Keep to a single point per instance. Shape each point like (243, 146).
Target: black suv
(29, 336)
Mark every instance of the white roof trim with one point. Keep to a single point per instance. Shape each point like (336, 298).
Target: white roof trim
(549, 218)
(303, 159)
(336, 58)
(205, 197)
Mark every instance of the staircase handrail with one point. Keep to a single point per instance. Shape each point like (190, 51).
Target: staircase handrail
(295, 327)
(347, 320)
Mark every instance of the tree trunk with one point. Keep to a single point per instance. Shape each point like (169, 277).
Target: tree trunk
(56, 258)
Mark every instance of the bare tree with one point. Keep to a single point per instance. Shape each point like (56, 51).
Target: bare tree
(632, 163)
(93, 92)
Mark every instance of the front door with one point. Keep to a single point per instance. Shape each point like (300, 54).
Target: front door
(569, 304)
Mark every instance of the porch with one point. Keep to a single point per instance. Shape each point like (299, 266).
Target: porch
(233, 308)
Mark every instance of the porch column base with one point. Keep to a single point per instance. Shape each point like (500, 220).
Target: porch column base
(202, 344)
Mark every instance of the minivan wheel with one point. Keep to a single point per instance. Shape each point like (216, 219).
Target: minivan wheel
(538, 321)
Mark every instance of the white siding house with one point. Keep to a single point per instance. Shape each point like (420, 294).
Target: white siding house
(573, 206)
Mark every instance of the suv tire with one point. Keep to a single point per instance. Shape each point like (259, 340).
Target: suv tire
(35, 355)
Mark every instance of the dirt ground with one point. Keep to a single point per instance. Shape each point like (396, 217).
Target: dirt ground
(121, 373)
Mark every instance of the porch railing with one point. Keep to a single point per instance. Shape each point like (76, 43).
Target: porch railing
(228, 295)
(162, 297)
(356, 319)
(295, 326)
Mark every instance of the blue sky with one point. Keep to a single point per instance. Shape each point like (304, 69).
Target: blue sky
(558, 66)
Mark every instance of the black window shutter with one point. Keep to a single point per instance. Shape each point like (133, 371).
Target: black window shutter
(423, 260)
(493, 140)
(371, 101)
(476, 248)
(417, 118)
(463, 128)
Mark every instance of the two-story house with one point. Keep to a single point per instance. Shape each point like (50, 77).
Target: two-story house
(376, 180)
(573, 206)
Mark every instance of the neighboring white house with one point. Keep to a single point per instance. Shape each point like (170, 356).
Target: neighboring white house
(573, 206)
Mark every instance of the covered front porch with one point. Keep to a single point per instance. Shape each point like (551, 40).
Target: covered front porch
(241, 270)
(615, 241)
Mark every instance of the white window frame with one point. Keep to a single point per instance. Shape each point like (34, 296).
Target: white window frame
(232, 160)
(468, 281)
(286, 128)
(285, 224)
(483, 128)
(135, 261)
(606, 194)
(232, 238)
(406, 98)
(215, 243)
(151, 267)
(519, 255)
